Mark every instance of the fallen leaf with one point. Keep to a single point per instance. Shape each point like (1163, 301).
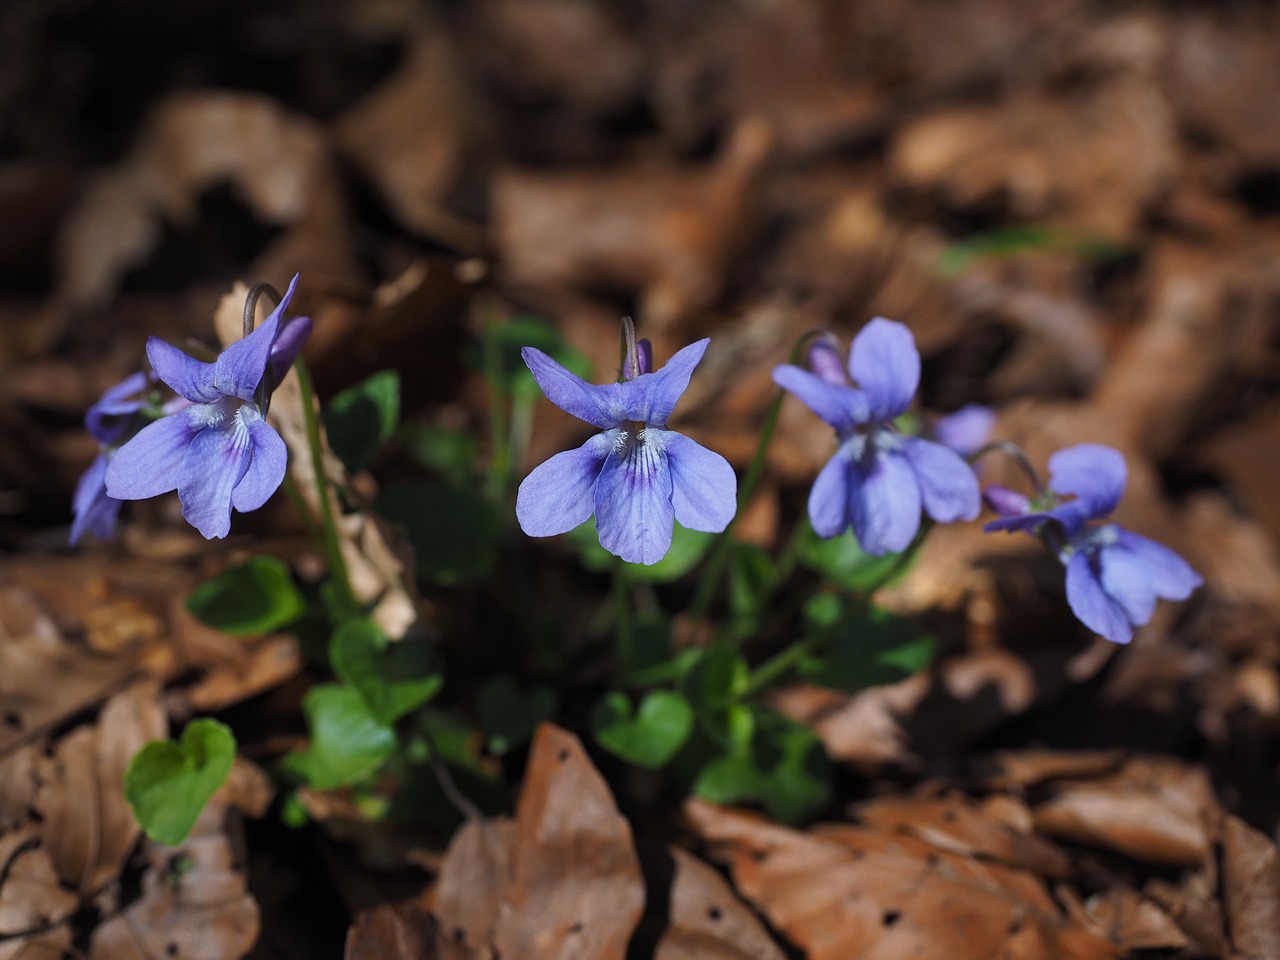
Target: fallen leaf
(1134, 922)
(392, 930)
(1251, 889)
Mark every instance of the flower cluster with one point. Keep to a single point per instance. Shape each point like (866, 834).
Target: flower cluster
(878, 480)
(1114, 576)
(214, 445)
(635, 475)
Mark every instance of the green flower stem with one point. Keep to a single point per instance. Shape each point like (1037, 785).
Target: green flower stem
(624, 631)
(331, 542)
(714, 570)
(777, 667)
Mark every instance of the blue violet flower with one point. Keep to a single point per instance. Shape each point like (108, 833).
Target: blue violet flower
(114, 418)
(219, 452)
(1114, 577)
(635, 475)
(878, 480)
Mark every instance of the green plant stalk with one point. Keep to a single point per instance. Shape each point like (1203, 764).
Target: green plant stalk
(714, 570)
(328, 526)
(777, 667)
(624, 627)
(499, 451)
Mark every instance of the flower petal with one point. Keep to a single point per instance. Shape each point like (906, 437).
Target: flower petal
(948, 486)
(560, 493)
(651, 397)
(885, 504)
(703, 485)
(269, 458)
(239, 368)
(966, 430)
(104, 419)
(885, 363)
(824, 360)
(842, 407)
(216, 460)
(1010, 504)
(634, 513)
(831, 494)
(1171, 577)
(1091, 604)
(1095, 473)
(186, 375)
(597, 405)
(148, 465)
(287, 347)
(95, 512)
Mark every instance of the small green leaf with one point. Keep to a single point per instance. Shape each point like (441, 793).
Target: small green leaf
(714, 686)
(168, 784)
(449, 454)
(649, 737)
(393, 678)
(688, 547)
(362, 418)
(859, 646)
(844, 563)
(505, 366)
(509, 715)
(348, 743)
(454, 531)
(254, 598)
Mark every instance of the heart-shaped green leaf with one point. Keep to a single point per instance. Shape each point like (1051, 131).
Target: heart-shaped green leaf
(348, 743)
(649, 737)
(393, 678)
(254, 598)
(362, 418)
(168, 783)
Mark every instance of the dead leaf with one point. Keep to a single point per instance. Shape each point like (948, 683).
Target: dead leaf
(32, 899)
(1251, 889)
(470, 885)
(392, 930)
(1134, 922)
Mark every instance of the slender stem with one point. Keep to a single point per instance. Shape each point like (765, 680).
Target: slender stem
(622, 603)
(300, 504)
(329, 528)
(499, 454)
(1018, 455)
(777, 666)
(714, 569)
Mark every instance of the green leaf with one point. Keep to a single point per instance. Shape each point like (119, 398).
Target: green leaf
(859, 646)
(254, 598)
(785, 769)
(841, 561)
(360, 419)
(688, 547)
(450, 454)
(649, 737)
(714, 686)
(393, 678)
(454, 531)
(348, 743)
(752, 577)
(509, 715)
(168, 784)
(507, 368)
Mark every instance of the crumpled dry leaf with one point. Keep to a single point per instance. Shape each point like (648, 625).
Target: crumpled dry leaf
(1251, 889)
(1155, 810)
(841, 891)
(392, 930)
(194, 903)
(32, 898)
(378, 576)
(667, 234)
(1133, 922)
(190, 142)
(567, 883)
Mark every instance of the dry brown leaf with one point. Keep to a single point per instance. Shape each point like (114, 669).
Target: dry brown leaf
(1154, 810)
(669, 234)
(1251, 889)
(842, 891)
(706, 919)
(469, 889)
(399, 931)
(1134, 922)
(88, 827)
(32, 898)
(194, 903)
(1016, 769)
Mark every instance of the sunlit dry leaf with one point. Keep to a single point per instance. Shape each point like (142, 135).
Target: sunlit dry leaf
(574, 887)
(88, 827)
(469, 889)
(1134, 922)
(1025, 768)
(194, 904)
(31, 896)
(1153, 810)
(1251, 895)
(402, 930)
(843, 891)
(707, 920)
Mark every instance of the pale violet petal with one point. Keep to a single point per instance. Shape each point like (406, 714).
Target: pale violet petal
(651, 397)
(1090, 602)
(239, 368)
(948, 487)
(597, 405)
(269, 458)
(148, 465)
(634, 513)
(560, 493)
(703, 485)
(885, 504)
(216, 460)
(186, 375)
(830, 496)
(967, 430)
(94, 511)
(886, 365)
(1171, 577)
(1127, 581)
(843, 407)
(1095, 473)
(1006, 502)
(288, 345)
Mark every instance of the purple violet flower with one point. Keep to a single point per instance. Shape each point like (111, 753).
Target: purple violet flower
(635, 475)
(967, 430)
(1114, 577)
(218, 451)
(878, 480)
(111, 420)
